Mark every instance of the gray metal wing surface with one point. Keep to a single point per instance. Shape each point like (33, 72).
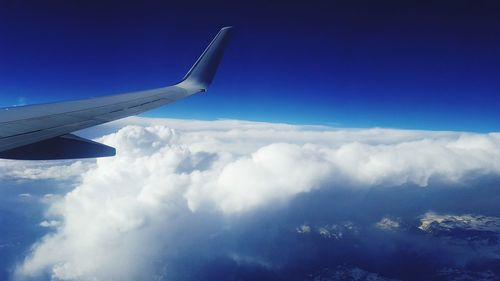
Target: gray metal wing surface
(43, 132)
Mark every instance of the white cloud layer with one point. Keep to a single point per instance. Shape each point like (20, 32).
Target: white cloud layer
(123, 213)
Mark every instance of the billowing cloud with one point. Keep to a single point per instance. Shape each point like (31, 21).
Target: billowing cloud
(128, 210)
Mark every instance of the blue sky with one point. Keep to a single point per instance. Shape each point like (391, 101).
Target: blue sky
(385, 64)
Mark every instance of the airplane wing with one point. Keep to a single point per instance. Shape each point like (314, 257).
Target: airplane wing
(43, 132)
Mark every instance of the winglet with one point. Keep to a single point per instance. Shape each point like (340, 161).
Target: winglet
(203, 71)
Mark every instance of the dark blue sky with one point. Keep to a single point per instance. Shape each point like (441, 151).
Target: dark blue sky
(404, 64)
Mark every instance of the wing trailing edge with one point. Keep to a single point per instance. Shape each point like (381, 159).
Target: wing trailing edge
(62, 147)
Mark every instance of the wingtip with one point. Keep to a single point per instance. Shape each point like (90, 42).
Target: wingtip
(203, 71)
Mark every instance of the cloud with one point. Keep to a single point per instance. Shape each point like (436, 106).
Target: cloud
(387, 223)
(40, 170)
(330, 231)
(446, 222)
(128, 210)
(303, 229)
(51, 223)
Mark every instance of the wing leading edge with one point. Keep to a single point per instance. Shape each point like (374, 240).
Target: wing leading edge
(42, 132)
